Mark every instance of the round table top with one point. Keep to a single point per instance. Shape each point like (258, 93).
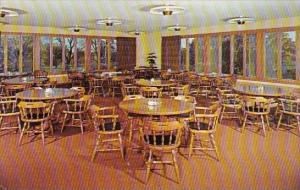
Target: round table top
(46, 94)
(24, 80)
(164, 107)
(263, 90)
(12, 74)
(154, 83)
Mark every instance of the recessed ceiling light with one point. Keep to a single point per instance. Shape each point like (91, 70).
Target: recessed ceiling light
(167, 10)
(177, 28)
(240, 20)
(109, 22)
(77, 29)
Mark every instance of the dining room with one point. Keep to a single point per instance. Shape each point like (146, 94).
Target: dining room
(155, 94)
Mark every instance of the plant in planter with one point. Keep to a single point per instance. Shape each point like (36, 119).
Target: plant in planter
(151, 60)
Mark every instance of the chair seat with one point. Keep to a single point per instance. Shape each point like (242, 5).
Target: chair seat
(109, 127)
(198, 126)
(159, 138)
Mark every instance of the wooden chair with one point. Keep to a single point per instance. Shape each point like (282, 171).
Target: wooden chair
(131, 116)
(36, 115)
(80, 90)
(76, 108)
(108, 129)
(9, 109)
(40, 74)
(116, 87)
(130, 90)
(205, 123)
(77, 78)
(162, 137)
(96, 86)
(290, 108)
(231, 105)
(180, 90)
(13, 89)
(256, 107)
(151, 92)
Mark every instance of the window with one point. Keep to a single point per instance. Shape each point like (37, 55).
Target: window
(271, 55)
(182, 54)
(251, 55)
(80, 46)
(113, 50)
(69, 53)
(94, 55)
(45, 53)
(288, 55)
(103, 54)
(1, 54)
(238, 55)
(13, 45)
(226, 54)
(200, 61)
(27, 53)
(57, 45)
(214, 54)
(191, 43)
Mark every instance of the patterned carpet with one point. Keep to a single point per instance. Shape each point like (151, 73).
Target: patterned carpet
(247, 161)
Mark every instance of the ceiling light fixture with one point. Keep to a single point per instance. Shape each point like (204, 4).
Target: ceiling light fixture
(240, 20)
(167, 10)
(109, 22)
(177, 28)
(10, 12)
(77, 28)
(137, 33)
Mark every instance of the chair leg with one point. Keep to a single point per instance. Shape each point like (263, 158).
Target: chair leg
(22, 133)
(279, 121)
(42, 131)
(149, 165)
(96, 147)
(81, 123)
(19, 124)
(176, 165)
(130, 132)
(268, 122)
(263, 125)
(191, 144)
(213, 142)
(121, 146)
(222, 114)
(244, 124)
(64, 122)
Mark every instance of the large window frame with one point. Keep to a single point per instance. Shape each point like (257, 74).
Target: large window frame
(36, 38)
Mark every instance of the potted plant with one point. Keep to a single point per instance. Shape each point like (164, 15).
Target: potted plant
(151, 60)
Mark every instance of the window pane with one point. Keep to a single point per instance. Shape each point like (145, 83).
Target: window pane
(226, 55)
(288, 55)
(27, 45)
(191, 43)
(214, 54)
(69, 53)
(13, 43)
(45, 53)
(103, 54)
(271, 55)
(182, 54)
(200, 61)
(251, 55)
(113, 49)
(94, 55)
(80, 54)
(1, 54)
(57, 45)
(238, 55)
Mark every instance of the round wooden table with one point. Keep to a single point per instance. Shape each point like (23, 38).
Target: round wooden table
(271, 91)
(46, 94)
(24, 80)
(155, 83)
(164, 107)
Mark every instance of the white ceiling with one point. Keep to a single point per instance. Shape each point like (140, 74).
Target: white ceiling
(135, 14)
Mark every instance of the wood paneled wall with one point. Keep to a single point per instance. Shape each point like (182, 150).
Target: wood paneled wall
(126, 57)
(170, 52)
